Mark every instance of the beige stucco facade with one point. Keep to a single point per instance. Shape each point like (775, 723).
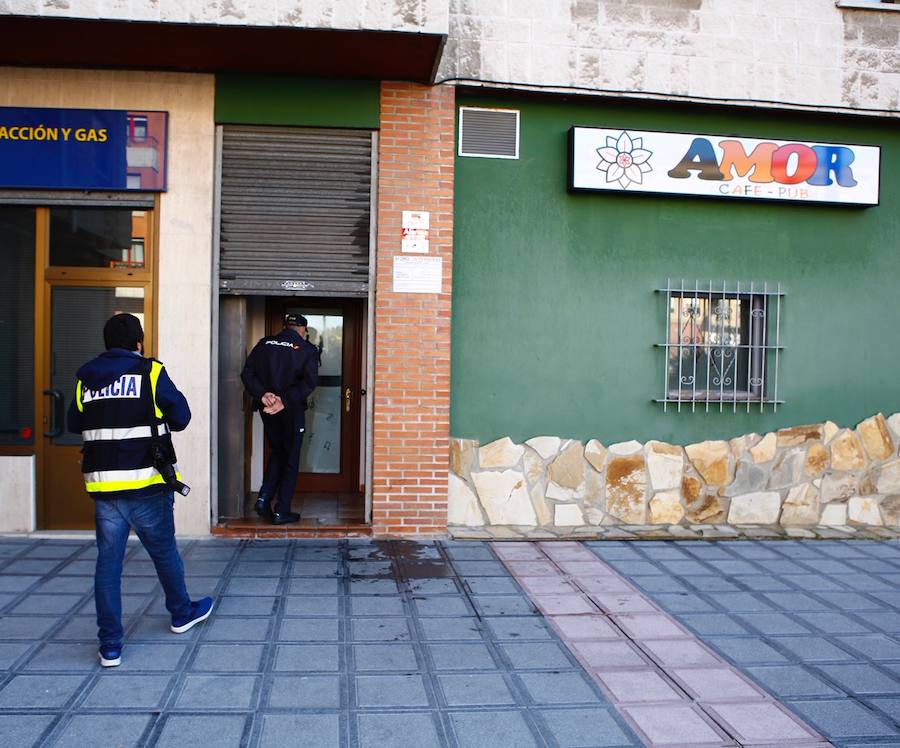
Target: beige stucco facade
(185, 255)
(17, 505)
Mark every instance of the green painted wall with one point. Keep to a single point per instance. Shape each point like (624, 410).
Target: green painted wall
(307, 102)
(554, 310)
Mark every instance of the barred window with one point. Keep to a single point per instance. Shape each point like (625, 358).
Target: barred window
(723, 344)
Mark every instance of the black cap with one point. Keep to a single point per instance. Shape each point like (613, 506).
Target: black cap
(123, 331)
(295, 320)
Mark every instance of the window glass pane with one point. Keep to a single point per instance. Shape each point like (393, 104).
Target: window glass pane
(321, 452)
(136, 257)
(17, 325)
(713, 354)
(146, 150)
(76, 332)
(137, 128)
(97, 237)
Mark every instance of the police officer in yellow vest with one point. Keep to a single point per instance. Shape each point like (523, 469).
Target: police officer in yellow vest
(125, 405)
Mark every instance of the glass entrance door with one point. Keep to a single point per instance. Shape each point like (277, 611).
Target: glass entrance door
(95, 262)
(329, 460)
(321, 451)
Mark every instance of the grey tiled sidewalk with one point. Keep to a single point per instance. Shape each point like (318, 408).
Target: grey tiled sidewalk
(317, 643)
(816, 624)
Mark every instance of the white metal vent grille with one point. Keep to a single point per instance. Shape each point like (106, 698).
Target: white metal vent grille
(488, 133)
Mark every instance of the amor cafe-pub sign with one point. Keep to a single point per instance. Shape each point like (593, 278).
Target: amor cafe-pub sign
(645, 161)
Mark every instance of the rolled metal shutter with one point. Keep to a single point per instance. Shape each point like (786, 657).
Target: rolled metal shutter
(295, 211)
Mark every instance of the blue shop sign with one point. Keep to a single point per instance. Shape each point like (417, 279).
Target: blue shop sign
(83, 149)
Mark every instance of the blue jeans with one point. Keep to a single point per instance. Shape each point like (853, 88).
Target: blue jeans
(153, 520)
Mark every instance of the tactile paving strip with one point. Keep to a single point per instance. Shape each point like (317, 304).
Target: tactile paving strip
(670, 687)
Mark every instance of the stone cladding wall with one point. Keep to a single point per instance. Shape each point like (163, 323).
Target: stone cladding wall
(412, 330)
(804, 476)
(425, 16)
(798, 52)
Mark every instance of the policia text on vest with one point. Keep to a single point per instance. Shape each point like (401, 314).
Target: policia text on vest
(130, 386)
(125, 407)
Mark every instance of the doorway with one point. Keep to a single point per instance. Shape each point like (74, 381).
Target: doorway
(96, 263)
(330, 491)
(329, 460)
(295, 210)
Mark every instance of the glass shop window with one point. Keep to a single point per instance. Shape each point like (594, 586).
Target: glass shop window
(137, 128)
(97, 237)
(17, 241)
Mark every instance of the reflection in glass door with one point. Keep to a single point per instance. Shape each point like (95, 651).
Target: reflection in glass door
(17, 237)
(111, 238)
(77, 316)
(321, 451)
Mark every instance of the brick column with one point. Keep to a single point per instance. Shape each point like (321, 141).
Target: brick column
(412, 331)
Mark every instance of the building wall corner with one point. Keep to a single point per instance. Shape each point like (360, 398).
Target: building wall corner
(411, 434)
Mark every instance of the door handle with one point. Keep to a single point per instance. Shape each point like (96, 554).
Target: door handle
(59, 413)
(347, 400)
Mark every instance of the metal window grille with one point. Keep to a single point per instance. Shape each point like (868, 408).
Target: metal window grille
(723, 346)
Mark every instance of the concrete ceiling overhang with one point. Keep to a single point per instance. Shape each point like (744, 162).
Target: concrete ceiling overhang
(380, 55)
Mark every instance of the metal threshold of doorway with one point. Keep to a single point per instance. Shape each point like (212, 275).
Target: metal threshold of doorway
(321, 516)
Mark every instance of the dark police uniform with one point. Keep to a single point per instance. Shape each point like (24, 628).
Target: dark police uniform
(288, 366)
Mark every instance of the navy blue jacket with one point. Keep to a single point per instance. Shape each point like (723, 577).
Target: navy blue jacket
(106, 369)
(284, 364)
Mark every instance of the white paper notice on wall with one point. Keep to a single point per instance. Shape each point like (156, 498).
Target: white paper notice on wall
(417, 274)
(414, 246)
(417, 220)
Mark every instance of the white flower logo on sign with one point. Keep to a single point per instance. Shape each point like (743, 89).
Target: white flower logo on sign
(624, 160)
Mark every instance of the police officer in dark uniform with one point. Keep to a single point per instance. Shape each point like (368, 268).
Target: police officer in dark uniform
(280, 373)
